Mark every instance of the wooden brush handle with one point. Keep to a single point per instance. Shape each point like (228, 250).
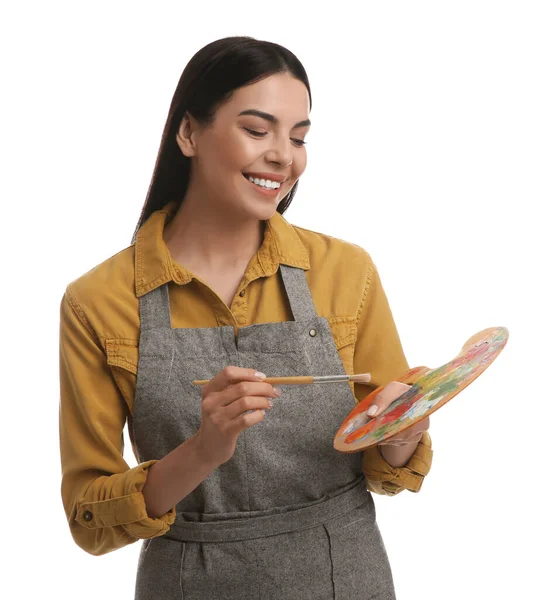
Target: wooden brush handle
(300, 380)
(274, 380)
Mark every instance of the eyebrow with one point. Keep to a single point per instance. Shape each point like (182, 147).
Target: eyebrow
(272, 118)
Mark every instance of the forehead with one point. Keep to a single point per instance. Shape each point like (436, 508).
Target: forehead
(281, 95)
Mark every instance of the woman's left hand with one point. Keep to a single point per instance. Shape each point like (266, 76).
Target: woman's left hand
(383, 400)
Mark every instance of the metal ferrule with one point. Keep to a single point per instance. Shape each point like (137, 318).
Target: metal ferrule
(331, 379)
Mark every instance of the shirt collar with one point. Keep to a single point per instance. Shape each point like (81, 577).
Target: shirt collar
(154, 265)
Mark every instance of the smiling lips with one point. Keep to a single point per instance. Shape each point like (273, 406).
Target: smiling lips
(267, 176)
(267, 181)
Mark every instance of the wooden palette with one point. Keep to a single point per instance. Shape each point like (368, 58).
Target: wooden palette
(430, 390)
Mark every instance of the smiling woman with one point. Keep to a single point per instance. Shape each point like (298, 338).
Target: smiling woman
(216, 73)
(239, 492)
(243, 139)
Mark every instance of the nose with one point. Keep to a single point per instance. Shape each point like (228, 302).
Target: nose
(280, 152)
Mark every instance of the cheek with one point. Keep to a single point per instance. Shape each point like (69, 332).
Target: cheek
(241, 154)
(299, 163)
(230, 152)
(245, 152)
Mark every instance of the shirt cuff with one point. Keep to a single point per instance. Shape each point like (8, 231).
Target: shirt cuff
(128, 510)
(383, 478)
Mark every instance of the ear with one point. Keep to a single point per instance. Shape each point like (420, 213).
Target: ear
(185, 136)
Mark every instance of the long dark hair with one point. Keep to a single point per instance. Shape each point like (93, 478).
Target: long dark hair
(209, 79)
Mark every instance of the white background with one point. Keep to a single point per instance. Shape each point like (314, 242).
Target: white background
(429, 148)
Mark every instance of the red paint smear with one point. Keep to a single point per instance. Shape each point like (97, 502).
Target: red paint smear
(390, 416)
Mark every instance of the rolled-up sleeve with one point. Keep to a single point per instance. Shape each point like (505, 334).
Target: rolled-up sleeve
(379, 351)
(102, 496)
(384, 479)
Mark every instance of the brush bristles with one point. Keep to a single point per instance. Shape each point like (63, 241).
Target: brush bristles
(363, 378)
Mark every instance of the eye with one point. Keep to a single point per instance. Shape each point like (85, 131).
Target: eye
(255, 133)
(299, 143)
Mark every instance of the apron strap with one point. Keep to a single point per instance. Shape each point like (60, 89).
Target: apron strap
(298, 293)
(154, 309)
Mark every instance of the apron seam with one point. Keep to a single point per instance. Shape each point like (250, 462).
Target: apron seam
(245, 446)
(181, 571)
(330, 558)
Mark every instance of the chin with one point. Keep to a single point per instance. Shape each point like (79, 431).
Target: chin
(264, 212)
(262, 208)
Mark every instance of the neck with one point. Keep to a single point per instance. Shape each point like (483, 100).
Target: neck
(208, 240)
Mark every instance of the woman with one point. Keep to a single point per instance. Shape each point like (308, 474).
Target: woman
(239, 492)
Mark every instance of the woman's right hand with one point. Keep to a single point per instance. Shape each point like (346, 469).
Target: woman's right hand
(225, 402)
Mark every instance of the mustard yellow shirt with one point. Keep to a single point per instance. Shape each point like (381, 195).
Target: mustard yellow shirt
(99, 338)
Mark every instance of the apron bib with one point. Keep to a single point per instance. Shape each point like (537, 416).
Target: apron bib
(287, 516)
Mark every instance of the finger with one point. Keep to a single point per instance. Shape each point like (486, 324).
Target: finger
(400, 441)
(246, 389)
(245, 405)
(245, 420)
(384, 399)
(229, 376)
(407, 436)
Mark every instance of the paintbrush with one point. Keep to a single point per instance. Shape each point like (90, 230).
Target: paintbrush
(308, 379)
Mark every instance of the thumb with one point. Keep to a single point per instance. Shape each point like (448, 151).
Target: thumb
(392, 391)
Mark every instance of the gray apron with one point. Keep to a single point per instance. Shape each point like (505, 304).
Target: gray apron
(287, 516)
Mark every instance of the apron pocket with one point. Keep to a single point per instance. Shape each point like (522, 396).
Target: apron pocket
(159, 570)
(358, 556)
(220, 571)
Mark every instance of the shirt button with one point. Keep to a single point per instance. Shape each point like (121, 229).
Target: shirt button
(312, 333)
(87, 515)
(242, 293)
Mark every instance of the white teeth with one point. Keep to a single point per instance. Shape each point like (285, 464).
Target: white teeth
(267, 183)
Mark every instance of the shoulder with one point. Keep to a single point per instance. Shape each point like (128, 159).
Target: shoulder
(329, 255)
(104, 297)
(324, 246)
(339, 269)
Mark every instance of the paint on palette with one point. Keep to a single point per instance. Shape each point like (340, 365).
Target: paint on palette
(429, 392)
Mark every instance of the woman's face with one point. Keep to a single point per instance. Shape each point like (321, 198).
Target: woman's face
(258, 133)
